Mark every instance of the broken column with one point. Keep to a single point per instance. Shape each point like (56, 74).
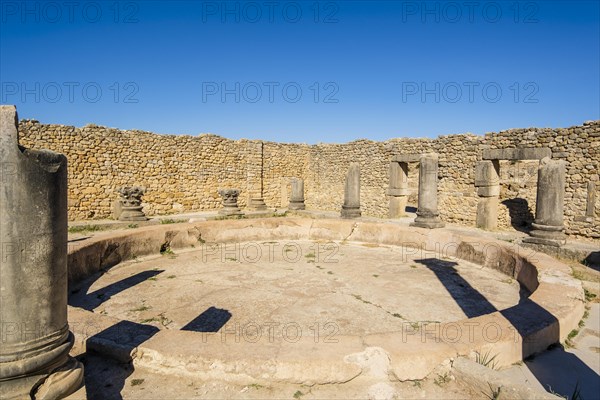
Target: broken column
(548, 225)
(297, 195)
(427, 212)
(230, 202)
(591, 200)
(129, 206)
(398, 188)
(487, 182)
(351, 207)
(34, 355)
(590, 204)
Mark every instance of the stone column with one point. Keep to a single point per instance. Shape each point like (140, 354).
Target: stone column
(398, 189)
(591, 200)
(230, 202)
(548, 225)
(256, 176)
(590, 204)
(487, 182)
(297, 196)
(351, 207)
(427, 212)
(34, 353)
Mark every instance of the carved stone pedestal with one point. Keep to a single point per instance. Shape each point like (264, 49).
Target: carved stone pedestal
(129, 206)
(230, 202)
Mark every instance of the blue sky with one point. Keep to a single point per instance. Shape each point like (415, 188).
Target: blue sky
(303, 71)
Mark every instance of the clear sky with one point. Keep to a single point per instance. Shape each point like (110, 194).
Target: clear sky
(303, 71)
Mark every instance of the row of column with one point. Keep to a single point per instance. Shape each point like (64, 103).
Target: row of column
(548, 227)
(427, 211)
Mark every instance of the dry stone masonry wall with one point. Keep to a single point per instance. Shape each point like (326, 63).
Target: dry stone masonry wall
(183, 173)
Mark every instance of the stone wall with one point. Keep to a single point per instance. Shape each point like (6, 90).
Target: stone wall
(183, 173)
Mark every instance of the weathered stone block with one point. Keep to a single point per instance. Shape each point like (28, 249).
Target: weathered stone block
(398, 206)
(488, 191)
(351, 207)
(487, 213)
(297, 196)
(486, 173)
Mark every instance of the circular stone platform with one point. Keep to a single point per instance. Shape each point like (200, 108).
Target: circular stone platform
(264, 300)
(298, 287)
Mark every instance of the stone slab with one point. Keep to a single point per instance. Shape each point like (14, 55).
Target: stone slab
(407, 158)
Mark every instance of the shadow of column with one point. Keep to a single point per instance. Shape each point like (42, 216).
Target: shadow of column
(89, 301)
(557, 371)
(116, 346)
(210, 320)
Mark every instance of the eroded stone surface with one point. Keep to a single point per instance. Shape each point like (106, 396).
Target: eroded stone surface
(341, 289)
(33, 270)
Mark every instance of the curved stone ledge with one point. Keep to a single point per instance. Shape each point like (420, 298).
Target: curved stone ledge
(551, 311)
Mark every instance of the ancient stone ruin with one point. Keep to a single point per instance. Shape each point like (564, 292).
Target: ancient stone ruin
(230, 202)
(297, 196)
(549, 215)
(427, 212)
(351, 206)
(398, 187)
(129, 206)
(501, 195)
(34, 356)
(177, 313)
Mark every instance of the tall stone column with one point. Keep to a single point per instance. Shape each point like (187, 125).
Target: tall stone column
(34, 353)
(487, 181)
(398, 189)
(590, 204)
(297, 196)
(548, 225)
(256, 177)
(351, 207)
(427, 210)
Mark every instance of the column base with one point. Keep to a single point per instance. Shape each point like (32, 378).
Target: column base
(132, 214)
(62, 382)
(296, 205)
(230, 211)
(350, 212)
(60, 377)
(257, 204)
(547, 235)
(431, 221)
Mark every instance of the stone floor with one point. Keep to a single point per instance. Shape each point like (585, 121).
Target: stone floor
(200, 289)
(296, 286)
